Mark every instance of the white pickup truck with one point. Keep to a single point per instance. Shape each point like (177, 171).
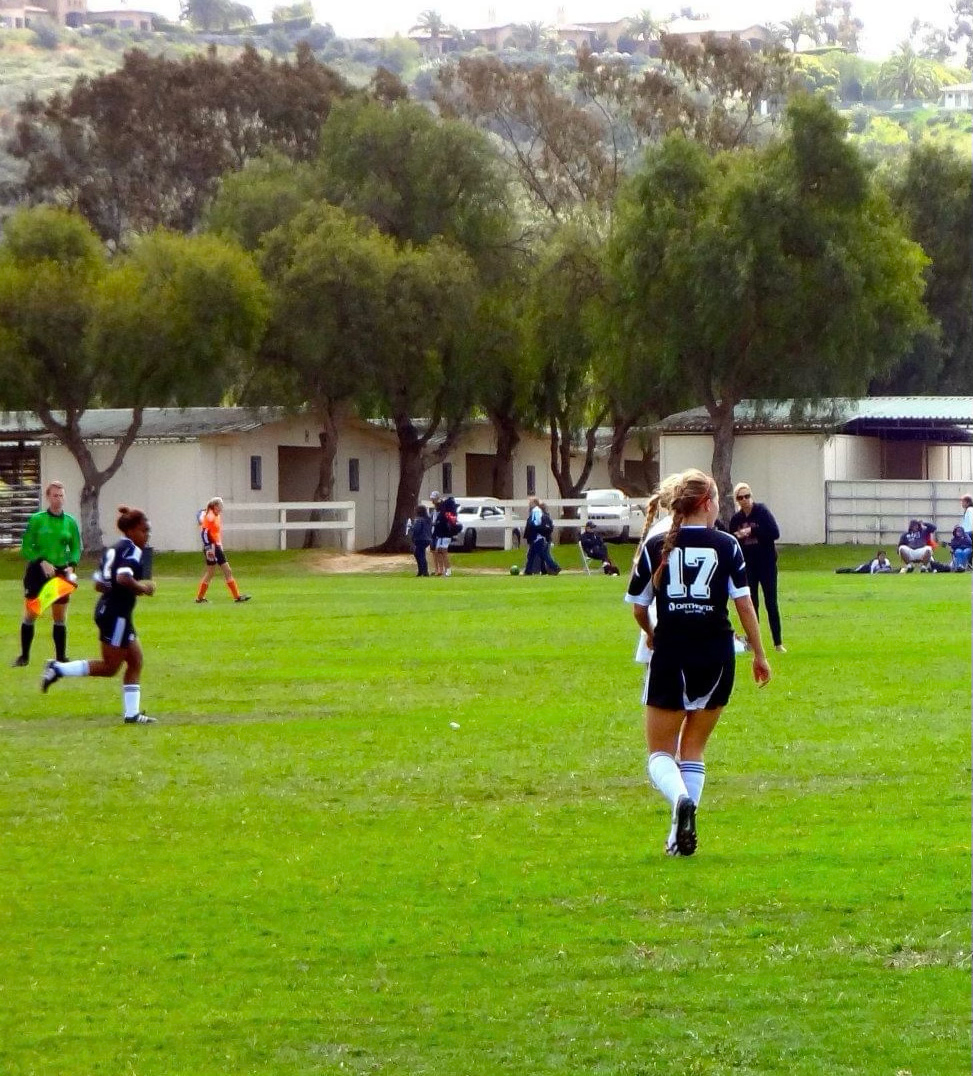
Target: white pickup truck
(613, 514)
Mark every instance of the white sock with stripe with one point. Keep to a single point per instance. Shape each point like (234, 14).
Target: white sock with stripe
(694, 775)
(131, 699)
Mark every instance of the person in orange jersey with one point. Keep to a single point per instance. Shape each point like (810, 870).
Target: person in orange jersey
(211, 532)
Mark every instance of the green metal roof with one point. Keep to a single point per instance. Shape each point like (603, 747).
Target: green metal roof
(840, 414)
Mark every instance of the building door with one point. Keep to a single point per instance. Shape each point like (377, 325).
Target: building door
(479, 474)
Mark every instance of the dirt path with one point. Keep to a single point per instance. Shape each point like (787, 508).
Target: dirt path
(335, 563)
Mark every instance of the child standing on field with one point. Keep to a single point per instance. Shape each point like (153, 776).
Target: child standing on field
(421, 538)
(211, 532)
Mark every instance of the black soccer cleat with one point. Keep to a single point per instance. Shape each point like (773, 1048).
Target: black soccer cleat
(50, 675)
(686, 826)
(140, 719)
(19, 662)
(242, 598)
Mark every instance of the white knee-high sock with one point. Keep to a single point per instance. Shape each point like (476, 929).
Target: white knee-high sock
(72, 668)
(131, 699)
(694, 776)
(664, 774)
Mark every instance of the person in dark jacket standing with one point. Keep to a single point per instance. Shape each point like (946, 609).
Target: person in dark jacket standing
(421, 533)
(755, 528)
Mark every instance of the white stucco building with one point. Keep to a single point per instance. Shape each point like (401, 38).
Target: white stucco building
(873, 461)
(182, 458)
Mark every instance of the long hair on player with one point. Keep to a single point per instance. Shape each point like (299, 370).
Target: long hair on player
(691, 491)
(659, 504)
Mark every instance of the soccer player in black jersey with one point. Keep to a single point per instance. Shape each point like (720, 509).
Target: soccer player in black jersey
(119, 581)
(691, 572)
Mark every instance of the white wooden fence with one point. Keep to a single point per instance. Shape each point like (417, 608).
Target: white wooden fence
(515, 516)
(282, 524)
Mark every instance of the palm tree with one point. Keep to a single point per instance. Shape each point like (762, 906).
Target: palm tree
(431, 22)
(908, 77)
(802, 25)
(534, 35)
(643, 27)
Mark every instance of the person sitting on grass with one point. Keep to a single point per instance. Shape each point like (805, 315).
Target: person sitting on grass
(915, 546)
(594, 548)
(879, 565)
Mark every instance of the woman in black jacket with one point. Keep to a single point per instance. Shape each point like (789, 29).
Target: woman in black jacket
(756, 530)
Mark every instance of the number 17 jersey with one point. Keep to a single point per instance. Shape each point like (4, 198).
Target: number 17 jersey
(704, 571)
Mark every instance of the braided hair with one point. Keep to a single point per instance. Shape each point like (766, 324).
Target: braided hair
(690, 491)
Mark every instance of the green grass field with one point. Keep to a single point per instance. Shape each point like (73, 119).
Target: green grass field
(306, 868)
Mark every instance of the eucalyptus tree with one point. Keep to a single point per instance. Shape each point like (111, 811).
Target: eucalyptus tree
(165, 324)
(566, 285)
(933, 194)
(146, 145)
(778, 273)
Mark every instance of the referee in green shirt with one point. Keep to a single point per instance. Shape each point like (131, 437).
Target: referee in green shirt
(51, 546)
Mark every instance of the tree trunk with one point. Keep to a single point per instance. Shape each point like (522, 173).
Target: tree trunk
(324, 490)
(412, 467)
(68, 433)
(722, 415)
(502, 479)
(621, 428)
(89, 522)
(568, 487)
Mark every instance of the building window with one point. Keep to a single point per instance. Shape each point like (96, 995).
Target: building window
(256, 472)
(354, 477)
(447, 478)
(531, 480)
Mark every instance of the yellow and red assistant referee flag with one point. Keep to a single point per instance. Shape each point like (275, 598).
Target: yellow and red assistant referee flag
(53, 590)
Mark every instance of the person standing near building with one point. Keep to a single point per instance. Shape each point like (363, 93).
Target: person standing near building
(538, 531)
(694, 569)
(755, 528)
(120, 582)
(51, 545)
(444, 524)
(211, 532)
(966, 503)
(421, 534)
